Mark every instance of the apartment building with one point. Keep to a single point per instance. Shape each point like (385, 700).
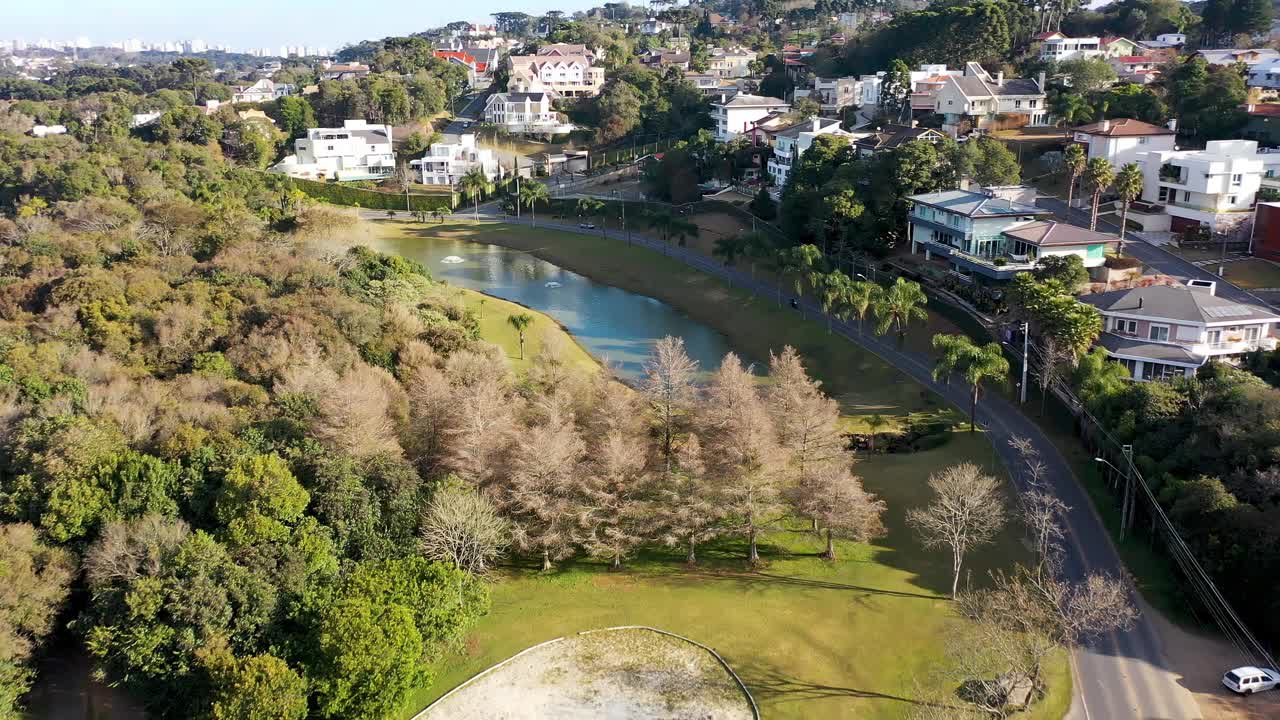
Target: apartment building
(355, 151)
(446, 163)
(791, 144)
(1162, 332)
(525, 113)
(996, 233)
(736, 115)
(1215, 187)
(978, 101)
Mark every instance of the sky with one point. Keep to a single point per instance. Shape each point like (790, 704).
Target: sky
(250, 23)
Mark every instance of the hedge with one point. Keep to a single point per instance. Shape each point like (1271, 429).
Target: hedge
(339, 194)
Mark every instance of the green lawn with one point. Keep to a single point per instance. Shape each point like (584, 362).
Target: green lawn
(810, 639)
(493, 313)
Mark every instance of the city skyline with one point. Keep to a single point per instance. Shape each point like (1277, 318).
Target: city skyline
(242, 24)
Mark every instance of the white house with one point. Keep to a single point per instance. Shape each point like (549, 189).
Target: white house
(355, 151)
(654, 26)
(791, 143)
(525, 113)
(1059, 47)
(264, 90)
(984, 102)
(1217, 186)
(1162, 332)
(1120, 141)
(446, 163)
(562, 75)
(144, 119)
(736, 115)
(47, 130)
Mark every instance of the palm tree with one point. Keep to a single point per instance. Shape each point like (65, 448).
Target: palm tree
(1098, 174)
(589, 207)
(896, 307)
(1074, 159)
(440, 213)
(835, 287)
(1128, 185)
(532, 193)
(672, 226)
(977, 363)
(757, 246)
(1072, 109)
(874, 424)
(729, 248)
(862, 295)
(520, 322)
(475, 184)
(802, 262)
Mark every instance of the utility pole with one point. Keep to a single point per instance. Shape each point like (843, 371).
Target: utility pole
(1126, 508)
(1026, 339)
(517, 187)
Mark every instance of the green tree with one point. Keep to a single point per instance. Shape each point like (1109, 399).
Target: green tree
(475, 185)
(978, 364)
(261, 687)
(294, 115)
(803, 263)
(259, 498)
(414, 145)
(763, 206)
(1067, 271)
(1098, 174)
(834, 288)
(1071, 108)
(861, 298)
(1128, 185)
(896, 307)
(805, 108)
(37, 579)
(895, 91)
(367, 658)
(1088, 75)
(1074, 161)
(520, 322)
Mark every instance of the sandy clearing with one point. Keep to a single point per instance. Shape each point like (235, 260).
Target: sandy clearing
(610, 675)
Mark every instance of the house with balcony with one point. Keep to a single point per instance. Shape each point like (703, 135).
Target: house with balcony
(978, 101)
(790, 145)
(835, 94)
(355, 151)
(525, 113)
(564, 76)
(990, 235)
(446, 163)
(732, 62)
(1215, 187)
(1120, 141)
(1163, 331)
(736, 115)
(261, 91)
(1059, 47)
(713, 85)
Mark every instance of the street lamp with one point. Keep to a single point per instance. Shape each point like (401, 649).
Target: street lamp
(1126, 506)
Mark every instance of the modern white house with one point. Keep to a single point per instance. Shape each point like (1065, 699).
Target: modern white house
(355, 151)
(1162, 332)
(1215, 187)
(264, 90)
(1120, 141)
(525, 113)
(41, 131)
(978, 101)
(654, 26)
(992, 235)
(736, 115)
(1059, 47)
(792, 143)
(446, 163)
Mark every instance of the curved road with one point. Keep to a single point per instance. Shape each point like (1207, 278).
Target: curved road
(1121, 676)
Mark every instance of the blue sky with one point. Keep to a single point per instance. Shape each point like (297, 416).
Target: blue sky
(250, 23)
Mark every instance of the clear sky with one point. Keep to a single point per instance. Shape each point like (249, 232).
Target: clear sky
(250, 23)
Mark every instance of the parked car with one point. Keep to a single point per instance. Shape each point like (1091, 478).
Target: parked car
(1249, 680)
(586, 226)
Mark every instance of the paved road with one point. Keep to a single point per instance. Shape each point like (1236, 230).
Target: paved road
(1123, 676)
(1154, 256)
(470, 113)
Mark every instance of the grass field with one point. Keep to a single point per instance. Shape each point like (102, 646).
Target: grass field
(493, 313)
(811, 639)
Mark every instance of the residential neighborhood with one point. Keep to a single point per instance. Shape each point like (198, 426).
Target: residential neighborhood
(788, 359)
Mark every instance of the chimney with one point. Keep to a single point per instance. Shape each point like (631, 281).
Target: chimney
(1000, 79)
(1139, 302)
(1105, 126)
(817, 124)
(1040, 81)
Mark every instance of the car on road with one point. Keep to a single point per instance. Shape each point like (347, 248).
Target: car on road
(586, 226)
(1248, 680)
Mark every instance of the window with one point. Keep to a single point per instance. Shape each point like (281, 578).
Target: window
(1186, 196)
(1214, 337)
(1032, 103)
(1017, 104)
(1159, 333)
(1237, 178)
(1143, 140)
(1231, 199)
(1124, 327)
(1252, 333)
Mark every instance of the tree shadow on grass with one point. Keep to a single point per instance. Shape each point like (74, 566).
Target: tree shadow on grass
(761, 577)
(777, 687)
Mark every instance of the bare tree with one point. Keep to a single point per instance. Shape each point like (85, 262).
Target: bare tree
(1041, 511)
(125, 551)
(742, 453)
(837, 502)
(966, 512)
(808, 427)
(464, 527)
(479, 432)
(536, 490)
(1053, 356)
(687, 506)
(669, 374)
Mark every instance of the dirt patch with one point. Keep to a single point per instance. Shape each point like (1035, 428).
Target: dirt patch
(611, 675)
(1201, 661)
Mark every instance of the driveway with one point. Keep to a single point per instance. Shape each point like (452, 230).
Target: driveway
(1120, 676)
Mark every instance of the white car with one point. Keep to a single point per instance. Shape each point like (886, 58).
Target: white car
(1249, 680)
(586, 226)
